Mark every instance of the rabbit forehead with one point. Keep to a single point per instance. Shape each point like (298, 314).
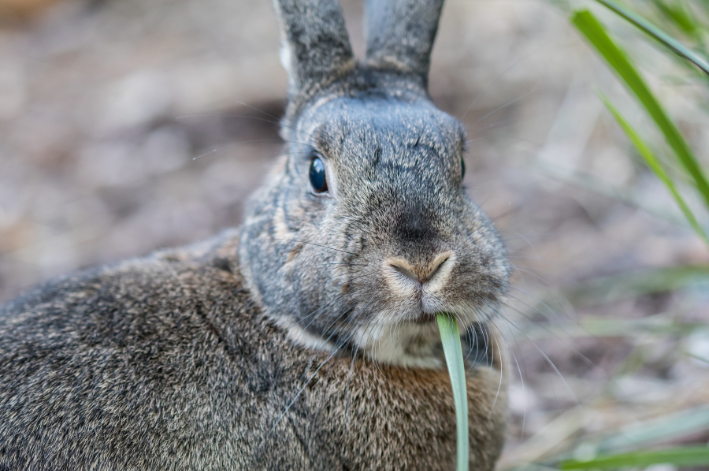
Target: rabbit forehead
(382, 124)
(390, 145)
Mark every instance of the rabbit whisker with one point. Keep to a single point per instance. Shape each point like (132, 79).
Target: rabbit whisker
(503, 106)
(502, 365)
(284, 332)
(347, 264)
(521, 376)
(496, 80)
(276, 118)
(315, 316)
(545, 356)
(312, 376)
(502, 122)
(251, 141)
(550, 315)
(324, 246)
(566, 339)
(290, 404)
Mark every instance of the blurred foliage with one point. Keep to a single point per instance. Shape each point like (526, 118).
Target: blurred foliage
(682, 456)
(622, 65)
(679, 29)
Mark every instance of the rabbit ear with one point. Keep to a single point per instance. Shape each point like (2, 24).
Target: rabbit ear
(316, 48)
(400, 34)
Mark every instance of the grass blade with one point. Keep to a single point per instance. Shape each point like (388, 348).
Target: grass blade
(450, 337)
(681, 456)
(680, 16)
(619, 62)
(659, 35)
(654, 163)
(642, 434)
(660, 430)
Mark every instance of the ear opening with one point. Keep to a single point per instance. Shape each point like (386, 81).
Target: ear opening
(315, 46)
(400, 34)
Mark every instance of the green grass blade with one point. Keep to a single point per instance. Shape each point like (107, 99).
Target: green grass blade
(659, 35)
(450, 337)
(647, 433)
(681, 456)
(660, 430)
(654, 163)
(679, 15)
(619, 62)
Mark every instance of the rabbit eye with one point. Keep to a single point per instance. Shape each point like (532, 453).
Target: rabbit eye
(462, 168)
(317, 175)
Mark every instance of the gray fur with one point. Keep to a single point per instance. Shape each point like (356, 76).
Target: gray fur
(400, 34)
(199, 358)
(316, 49)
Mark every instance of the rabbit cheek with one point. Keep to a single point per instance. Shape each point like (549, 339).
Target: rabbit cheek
(281, 232)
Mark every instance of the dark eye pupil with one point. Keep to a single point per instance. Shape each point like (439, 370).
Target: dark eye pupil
(317, 175)
(462, 172)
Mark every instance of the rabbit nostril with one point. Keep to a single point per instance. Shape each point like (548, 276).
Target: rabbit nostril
(421, 273)
(438, 263)
(406, 272)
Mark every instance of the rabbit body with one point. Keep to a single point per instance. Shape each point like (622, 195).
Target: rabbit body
(166, 363)
(306, 339)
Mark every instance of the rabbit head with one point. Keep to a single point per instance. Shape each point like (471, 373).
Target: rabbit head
(364, 230)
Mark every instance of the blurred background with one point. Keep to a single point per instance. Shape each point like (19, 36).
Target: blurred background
(131, 125)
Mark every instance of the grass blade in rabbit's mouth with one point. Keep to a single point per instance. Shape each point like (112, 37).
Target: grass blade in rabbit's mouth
(450, 338)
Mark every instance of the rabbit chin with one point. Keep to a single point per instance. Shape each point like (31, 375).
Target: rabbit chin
(405, 344)
(408, 344)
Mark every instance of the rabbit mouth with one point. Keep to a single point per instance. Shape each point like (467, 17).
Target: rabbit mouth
(424, 318)
(413, 343)
(419, 346)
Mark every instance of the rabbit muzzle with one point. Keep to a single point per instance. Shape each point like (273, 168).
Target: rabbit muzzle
(419, 281)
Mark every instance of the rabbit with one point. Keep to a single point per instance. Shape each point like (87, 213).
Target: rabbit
(305, 338)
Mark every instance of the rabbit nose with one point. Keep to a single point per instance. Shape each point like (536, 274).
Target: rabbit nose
(420, 272)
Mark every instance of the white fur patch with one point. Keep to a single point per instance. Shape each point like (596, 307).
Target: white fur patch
(302, 337)
(407, 345)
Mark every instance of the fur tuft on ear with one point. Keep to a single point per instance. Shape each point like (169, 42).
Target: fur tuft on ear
(400, 34)
(316, 49)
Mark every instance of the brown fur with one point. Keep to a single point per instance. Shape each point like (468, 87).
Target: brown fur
(88, 381)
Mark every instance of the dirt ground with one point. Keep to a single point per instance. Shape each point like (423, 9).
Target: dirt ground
(131, 125)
